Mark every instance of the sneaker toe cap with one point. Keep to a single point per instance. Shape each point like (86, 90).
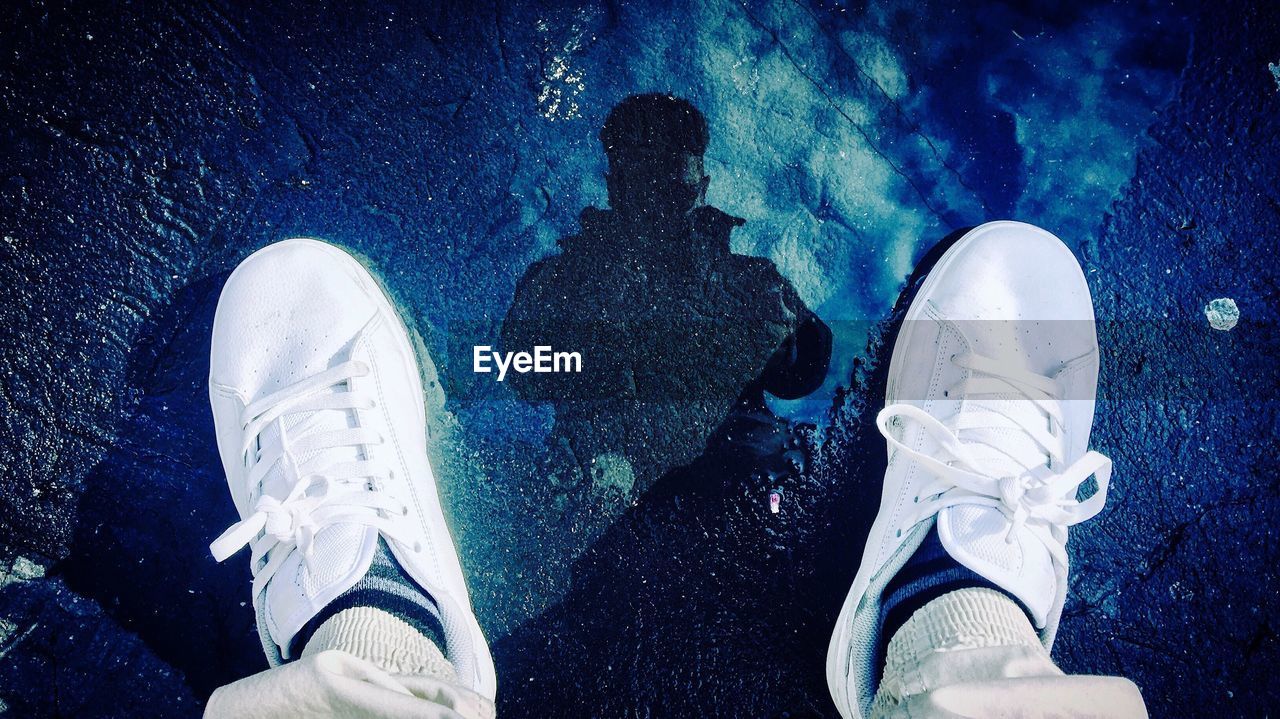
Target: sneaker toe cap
(285, 313)
(1014, 271)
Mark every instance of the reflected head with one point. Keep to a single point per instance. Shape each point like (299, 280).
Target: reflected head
(655, 144)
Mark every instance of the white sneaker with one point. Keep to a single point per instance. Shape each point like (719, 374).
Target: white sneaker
(321, 424)
(990, 401)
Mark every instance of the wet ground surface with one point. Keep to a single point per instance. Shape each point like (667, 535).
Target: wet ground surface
(146, 150)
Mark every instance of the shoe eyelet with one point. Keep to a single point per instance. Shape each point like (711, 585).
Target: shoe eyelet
(404, 511)
(917, 499)
(417, 546)
(899, 534)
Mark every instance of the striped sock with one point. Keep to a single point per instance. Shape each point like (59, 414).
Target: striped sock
(385, 586)
(930, 573)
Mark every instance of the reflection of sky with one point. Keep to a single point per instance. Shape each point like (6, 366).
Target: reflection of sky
(851, 141)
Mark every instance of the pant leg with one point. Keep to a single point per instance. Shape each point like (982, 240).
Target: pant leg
(972, 654)
(361, 663)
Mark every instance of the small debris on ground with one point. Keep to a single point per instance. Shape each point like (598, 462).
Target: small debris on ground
(1222, 313)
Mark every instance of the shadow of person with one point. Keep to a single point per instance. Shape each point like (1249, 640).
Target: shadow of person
(706, 603)
(676, 332)
(154, 501)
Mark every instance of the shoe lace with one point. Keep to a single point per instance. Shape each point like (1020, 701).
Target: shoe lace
(1004, 449)
(341, 492)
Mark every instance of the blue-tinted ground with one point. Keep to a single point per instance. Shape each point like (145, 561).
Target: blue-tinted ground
(148, 148)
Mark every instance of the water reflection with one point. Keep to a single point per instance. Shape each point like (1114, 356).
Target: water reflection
(680, 338)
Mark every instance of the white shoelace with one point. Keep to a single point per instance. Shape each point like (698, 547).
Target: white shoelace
(345, 492)
(1000, 432)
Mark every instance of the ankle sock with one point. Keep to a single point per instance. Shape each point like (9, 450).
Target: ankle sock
(383, 640)
(386, 586)
(929, 574)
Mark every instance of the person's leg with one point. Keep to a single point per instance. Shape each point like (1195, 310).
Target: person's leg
(320, 416)
(989, 407)
(974, 653)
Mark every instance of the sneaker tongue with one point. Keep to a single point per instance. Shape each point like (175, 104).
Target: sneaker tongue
(1003, 450)
(975, 536)
(291, 595)
(277, 483)
(341, 555)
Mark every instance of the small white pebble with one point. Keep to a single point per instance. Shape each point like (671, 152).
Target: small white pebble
(1222, 313)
